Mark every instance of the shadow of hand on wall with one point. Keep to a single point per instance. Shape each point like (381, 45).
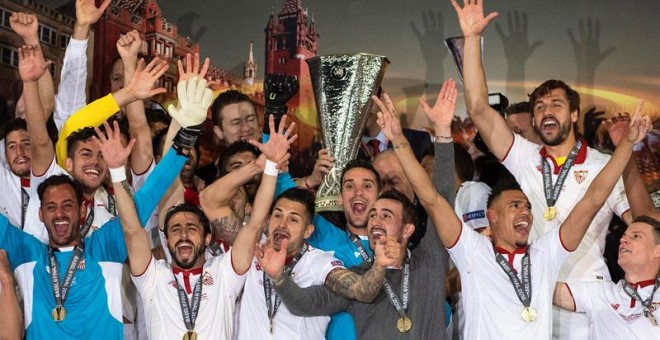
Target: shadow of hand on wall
(588, 53)
(430, 39)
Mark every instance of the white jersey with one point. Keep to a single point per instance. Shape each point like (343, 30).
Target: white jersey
(311, 269)
(221, 286)
(524, 162)
(492, 308)
(613, 314)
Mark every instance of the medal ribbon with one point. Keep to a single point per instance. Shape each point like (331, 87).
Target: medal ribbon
(523, 289)
(190, 312)
(25, 200)
(358, 243)
(645, 303)
(552, 191)
(401, 307)
(84, 229)
(61, 291)
(268, 285)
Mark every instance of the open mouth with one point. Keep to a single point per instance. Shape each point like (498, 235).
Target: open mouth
(20, 161)
(184, 248)
(623, 250)
(61, 228)
(549, 124)
(359, 206)
(279, 235)
(377, 233)
(522, 227)
(94, 172)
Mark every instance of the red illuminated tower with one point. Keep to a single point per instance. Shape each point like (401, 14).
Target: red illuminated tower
(291, 38)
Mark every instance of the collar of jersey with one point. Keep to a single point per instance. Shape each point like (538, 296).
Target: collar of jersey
(581, 156)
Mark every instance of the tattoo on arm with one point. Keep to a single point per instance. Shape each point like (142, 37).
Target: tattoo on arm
(127, 188)
(354, 286)
(226, 228)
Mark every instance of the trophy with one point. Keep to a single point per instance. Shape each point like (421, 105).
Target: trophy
(343, 86)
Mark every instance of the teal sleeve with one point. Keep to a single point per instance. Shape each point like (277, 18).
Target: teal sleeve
(341, 327)
(326, 235)
(154, 188)
(21, 247)
(284, 183)
(108, 244)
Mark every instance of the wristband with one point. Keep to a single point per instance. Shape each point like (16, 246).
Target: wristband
(442, 139)
(118, 175)
(270, 168)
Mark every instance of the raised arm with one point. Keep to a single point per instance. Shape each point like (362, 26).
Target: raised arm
(274, 150)
(137, 240)
(440, 211)
(575, 226)
(26, 26)
(317, 300)
(492, 127)
(31, 67)
(142, 156)
(11, 318)
(563, 298)
(87, 14)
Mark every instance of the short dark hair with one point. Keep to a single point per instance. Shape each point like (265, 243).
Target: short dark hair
(501, 187)
(655, 224)
(190, 208)
(57, 180)
(408, 208)
(463, 163)
(522, 107)
(15, 124)
(155, 114)
(235, 148)
(302, 196)
(549, 85)
(76, 137)
(226, 98)
(360, 163)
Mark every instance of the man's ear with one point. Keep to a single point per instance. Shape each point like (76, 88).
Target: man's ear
(491, 215)
(68, 162)
(218, 132)
(575, 116)
(408, 230)
(309, 230)
(208, 238)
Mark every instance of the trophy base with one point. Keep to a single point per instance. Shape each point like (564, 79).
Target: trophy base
(328, 203)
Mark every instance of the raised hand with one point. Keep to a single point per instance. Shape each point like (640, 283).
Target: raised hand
(279, 142)
(142, 83)
(87, 13)
(114, 152)
(389, 252)
(31, 63)
(430, 42)
(194, 100)
(517, 48)
(471, 17)
(388, 120)
(26, 26)
(129, 45)
(192, 68)
(322, 167)
(271, 260)
(442, 113)
(639, 126)
(588, 53)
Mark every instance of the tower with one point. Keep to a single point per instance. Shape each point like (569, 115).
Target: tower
(250, 68)
(291, 38)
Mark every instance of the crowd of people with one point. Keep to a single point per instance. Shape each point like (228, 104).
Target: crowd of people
(108, 227)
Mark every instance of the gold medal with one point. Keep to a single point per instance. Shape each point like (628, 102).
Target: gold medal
(404, 324)
(529, 314)
(58, 313)
(190, 335)
(550, 213)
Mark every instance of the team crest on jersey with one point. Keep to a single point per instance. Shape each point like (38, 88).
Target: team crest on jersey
(207, 279)
(580, 175)
(81, 264)
(615, 306)
(257, 266)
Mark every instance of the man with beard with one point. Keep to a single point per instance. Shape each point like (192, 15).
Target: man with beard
(262, 316)
(555, 174)
(15, 179)
(204, 291)
(72, 286)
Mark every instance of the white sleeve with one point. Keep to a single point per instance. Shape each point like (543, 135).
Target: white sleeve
(323, 264)
(468, 243)
(618, 201)
(71, 95)
(3, 157)
(555, 251)
(520, 151)
(138, 180)
(147, 282)
(53, 169)
(231, 279)
(583, 293)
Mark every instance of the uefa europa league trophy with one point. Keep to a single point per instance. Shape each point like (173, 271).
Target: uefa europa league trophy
(343, 86)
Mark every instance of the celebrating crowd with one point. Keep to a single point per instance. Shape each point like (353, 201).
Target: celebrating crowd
(109, 229)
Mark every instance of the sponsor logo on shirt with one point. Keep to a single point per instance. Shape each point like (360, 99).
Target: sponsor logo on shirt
(580, 175)
(337, 263)
(207, 279)
(81, 264)
(474, 215)
(615, 306)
